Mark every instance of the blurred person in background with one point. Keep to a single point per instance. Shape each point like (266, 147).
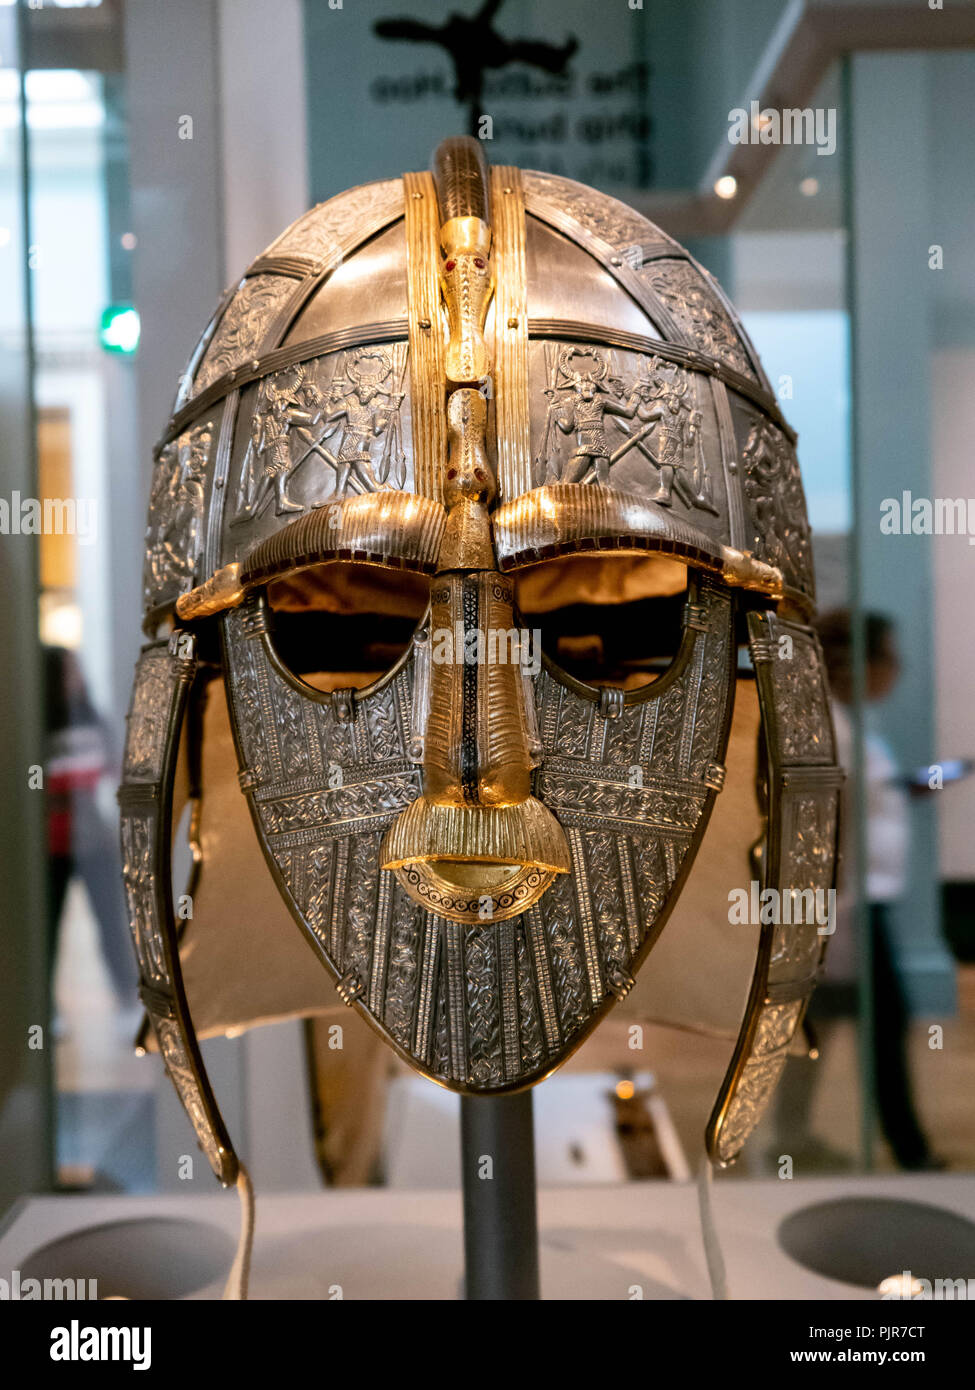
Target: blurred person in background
(886, 794)
(81, 843)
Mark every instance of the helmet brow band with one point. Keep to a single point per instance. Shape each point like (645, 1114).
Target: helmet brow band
(395, 530)
(564, 519)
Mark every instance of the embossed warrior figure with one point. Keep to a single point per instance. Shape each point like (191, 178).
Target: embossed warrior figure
(771, 483)
(678, 425)
(368, 412)
(584, 414)
(176, 508)
(288, 406)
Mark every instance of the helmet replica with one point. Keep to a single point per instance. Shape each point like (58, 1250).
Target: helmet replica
(438, 415)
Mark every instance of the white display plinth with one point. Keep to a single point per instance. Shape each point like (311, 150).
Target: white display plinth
(624, 1242)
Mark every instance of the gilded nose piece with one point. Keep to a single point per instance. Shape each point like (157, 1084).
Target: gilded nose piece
(476, 846)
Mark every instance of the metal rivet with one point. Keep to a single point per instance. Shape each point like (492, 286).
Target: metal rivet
(512, 323)
(218, 482)
(417, 196)
(424, 323)
(508, 190)
(616, 260)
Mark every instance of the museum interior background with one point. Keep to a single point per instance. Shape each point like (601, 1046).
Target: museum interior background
(150, 151)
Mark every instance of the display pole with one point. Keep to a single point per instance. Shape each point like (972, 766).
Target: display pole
(500, 1217)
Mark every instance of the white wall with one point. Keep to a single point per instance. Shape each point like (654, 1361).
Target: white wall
(953, 430)
(262, 111)
(951, 224)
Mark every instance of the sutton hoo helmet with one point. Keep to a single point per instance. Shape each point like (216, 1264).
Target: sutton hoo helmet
(439, 419)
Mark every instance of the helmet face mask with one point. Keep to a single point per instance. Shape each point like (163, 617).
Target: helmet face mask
(629, 781)
(435, 411)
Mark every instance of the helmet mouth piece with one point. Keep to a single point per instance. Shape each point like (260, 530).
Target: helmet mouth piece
(475, 863)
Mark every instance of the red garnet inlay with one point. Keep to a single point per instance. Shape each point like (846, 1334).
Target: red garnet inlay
(450, 265)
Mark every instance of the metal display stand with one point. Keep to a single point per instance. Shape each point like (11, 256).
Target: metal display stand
(500, 1214)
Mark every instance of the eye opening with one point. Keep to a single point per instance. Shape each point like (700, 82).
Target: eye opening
(610, 621)
(343, 625)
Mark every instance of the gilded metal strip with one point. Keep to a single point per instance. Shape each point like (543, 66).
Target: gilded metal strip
(584, 898)
(403, 702)
(432, 931)
(312, 742)
(629, 894)
(508, 989)
(340, 873)
(255, 626)
(648, 734)
(512, 406)
(543, 978)
(360, 737)
(550, 720)
(380, 944)
(295, 870)
(598, 733)
(427, 380)
(452, 978)
(690, 712)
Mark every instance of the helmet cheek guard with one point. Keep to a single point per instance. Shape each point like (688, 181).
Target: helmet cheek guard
(358, 502)
(163, 678)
